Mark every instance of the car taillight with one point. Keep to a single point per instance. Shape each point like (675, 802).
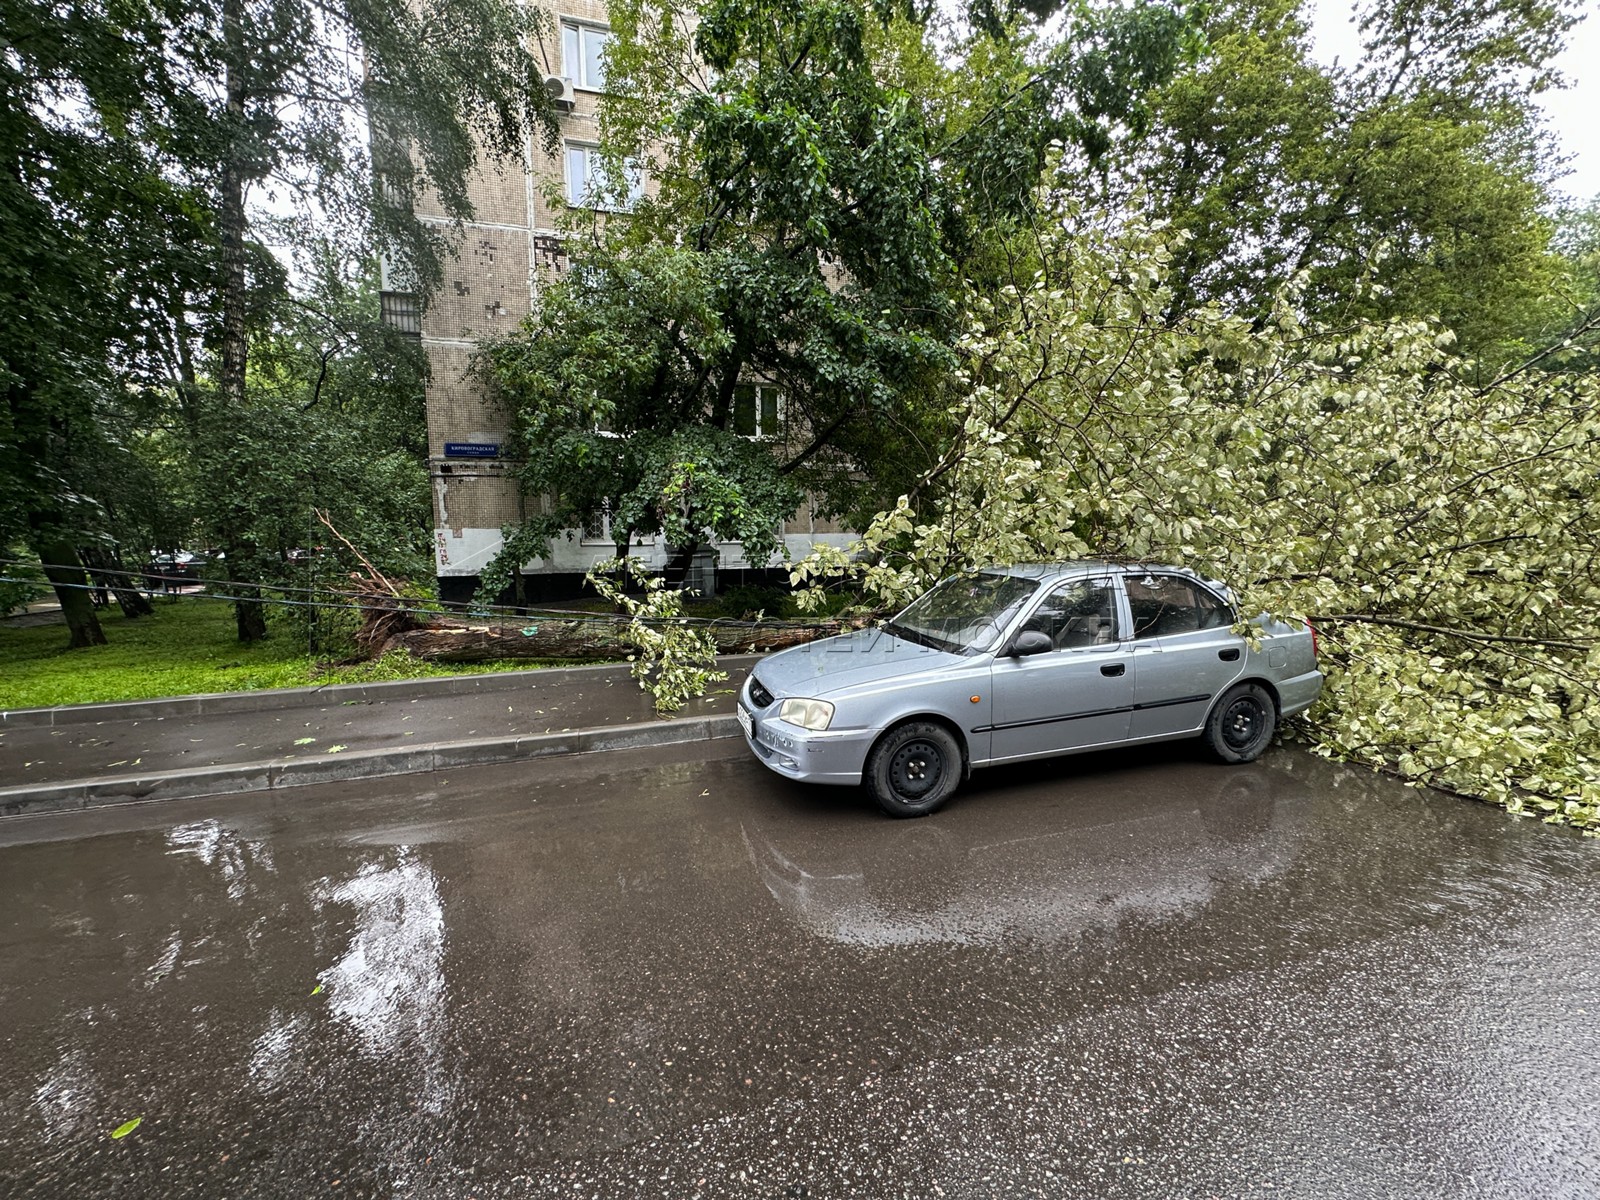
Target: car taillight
(1313, 629)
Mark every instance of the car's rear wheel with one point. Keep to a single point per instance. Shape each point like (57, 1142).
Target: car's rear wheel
(913, 769)
(1241, 725)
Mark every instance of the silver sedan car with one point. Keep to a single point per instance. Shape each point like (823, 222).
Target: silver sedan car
(1024, 662)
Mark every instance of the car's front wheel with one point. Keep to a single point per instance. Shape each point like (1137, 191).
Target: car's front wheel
(913, 769)
(1241, 725)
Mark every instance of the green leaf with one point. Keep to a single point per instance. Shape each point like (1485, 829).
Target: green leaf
(127, 1127)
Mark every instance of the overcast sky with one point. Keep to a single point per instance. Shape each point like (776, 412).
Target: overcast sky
(1574, 113)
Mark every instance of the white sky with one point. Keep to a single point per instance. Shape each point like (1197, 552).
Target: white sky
(1574, 113)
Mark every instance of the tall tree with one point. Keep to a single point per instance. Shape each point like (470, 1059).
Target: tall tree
(346, 111)
(150, 149)
(820, 180)
(95, 238)
(1413, 182)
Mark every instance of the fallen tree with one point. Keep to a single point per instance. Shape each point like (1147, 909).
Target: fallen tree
(390, 623)
(592, 639)
(1444, 533)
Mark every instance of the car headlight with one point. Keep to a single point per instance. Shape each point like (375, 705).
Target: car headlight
(808, 714)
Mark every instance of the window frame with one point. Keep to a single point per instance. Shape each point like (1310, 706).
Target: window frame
(604, 537)
(401, 311)
(758, 390)
(1106, 584)
(591, 157)
(1198, 589)
(574, 67)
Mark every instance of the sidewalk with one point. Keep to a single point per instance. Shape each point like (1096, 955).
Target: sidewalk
(194, 746)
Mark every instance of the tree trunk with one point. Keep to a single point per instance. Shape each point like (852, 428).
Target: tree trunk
(108, 573)
(589, 640)
(232, 220)
(722, 405)
(71, 583)
(250, 616)
(676, 573)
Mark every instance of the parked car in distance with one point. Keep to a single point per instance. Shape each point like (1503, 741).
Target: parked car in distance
(1024, 662)
(168, 570)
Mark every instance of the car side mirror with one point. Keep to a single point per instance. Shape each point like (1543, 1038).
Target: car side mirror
(1030, 641)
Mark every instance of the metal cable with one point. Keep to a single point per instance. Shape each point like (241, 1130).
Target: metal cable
(500, 612)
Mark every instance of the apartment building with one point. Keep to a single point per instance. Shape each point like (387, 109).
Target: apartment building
(511, 250)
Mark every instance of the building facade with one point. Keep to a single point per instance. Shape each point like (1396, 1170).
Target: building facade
(511, 249)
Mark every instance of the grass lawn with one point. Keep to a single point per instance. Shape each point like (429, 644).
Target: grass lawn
(190, 646)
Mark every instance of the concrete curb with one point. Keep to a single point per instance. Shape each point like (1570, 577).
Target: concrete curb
(270, 699)
(362, 764)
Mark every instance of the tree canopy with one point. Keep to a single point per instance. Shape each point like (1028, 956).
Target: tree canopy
(159, 158)
(1414, 182)
(821, 179)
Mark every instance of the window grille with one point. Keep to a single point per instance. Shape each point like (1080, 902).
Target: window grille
(401, 311)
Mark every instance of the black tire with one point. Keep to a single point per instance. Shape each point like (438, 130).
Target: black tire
(913, 769)
(1241, 725)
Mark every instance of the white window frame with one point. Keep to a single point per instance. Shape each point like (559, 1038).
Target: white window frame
(632, 171)
(575, 33)
(761, 434)
(605, 538)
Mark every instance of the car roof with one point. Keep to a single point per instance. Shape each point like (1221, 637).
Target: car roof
(1057, 570)
(1046, 572)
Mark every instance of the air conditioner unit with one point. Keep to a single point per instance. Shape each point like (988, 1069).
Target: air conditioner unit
(559, 89)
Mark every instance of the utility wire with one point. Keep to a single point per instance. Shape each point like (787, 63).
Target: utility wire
(500, 612)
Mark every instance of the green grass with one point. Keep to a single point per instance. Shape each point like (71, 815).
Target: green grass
(190, 646)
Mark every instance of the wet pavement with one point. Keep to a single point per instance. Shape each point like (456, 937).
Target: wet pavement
(672, 974)
(546, 702)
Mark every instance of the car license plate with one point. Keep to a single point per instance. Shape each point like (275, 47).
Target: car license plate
(746, 722)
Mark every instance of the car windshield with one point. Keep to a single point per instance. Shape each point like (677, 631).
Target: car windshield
(965, 615)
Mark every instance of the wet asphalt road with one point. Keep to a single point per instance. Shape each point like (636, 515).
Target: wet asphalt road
(670, 974)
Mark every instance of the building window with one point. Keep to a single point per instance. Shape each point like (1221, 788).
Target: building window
(589, 185)
(755, 410)
(597, 531)
(401, 311)
(582, 54)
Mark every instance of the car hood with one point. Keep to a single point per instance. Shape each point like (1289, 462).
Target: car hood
(818, 668)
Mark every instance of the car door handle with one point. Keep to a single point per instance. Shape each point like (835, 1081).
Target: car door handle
(1229, 655)
(1113, 669)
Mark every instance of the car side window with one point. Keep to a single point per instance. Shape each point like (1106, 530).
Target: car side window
(1078, 615)
(1165, 605)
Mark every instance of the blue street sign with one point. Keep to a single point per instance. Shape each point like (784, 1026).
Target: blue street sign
(472, 449)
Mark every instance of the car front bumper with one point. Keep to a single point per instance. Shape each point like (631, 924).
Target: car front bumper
(831, 756)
